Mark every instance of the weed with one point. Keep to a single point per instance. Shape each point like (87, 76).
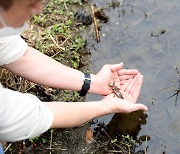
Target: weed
(177, 90)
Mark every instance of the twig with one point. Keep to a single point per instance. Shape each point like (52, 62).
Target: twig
(54, 40)
(26, 90)
(61, 45)
(146, 145)
(20, 85)
(121, 148)
(28, 149)
(65, 6)
(177, 71)
(95, 24)
(24, 144)
(8, 147)
(50, 147)
(114, 151)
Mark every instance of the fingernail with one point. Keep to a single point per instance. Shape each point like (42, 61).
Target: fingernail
(145, 112)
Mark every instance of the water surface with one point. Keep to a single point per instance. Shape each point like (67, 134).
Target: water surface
(127, 38)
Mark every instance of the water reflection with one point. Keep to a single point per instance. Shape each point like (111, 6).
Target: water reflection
(126, 124)
(120, 134)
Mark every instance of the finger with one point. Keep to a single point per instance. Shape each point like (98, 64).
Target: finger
(137, 88)
(136, 107)
(127, 96)
(131, 84)
(125, 85)
(122, 82)
(116, 67)
(138, 83)
(126, 77)
(127, 71)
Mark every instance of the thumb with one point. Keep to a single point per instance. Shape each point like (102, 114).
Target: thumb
(116, 67)
(136, 107)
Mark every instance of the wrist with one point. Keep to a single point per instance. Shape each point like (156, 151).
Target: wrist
(96, 85)
(86, 84)
(106, 105)
(112, 103)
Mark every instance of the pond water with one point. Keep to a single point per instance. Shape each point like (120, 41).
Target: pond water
(127, 37)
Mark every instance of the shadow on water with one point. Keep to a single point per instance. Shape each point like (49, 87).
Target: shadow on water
(121, 133)
(145, 35)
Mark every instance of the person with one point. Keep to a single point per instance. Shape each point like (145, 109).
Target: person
(23, 115)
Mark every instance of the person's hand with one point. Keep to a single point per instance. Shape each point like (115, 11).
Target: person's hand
(110, 73)
(130, 91)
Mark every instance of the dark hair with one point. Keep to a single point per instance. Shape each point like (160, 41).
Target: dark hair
(6, 4)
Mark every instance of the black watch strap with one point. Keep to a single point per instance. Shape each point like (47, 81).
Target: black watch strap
(86, 84)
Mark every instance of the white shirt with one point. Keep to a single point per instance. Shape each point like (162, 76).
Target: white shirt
(22, 116)
(11, 49)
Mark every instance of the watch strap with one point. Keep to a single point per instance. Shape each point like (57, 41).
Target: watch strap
(86, 84)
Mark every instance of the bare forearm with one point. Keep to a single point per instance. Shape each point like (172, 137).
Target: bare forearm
(74, 114)
(44, 70)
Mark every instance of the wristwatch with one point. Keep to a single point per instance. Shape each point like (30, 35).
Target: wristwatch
(86, 84)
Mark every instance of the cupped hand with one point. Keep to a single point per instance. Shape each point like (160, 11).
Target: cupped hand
(110, 73)
(130, 91)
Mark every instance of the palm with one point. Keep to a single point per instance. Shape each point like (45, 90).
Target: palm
(130, 91)
(110, 73)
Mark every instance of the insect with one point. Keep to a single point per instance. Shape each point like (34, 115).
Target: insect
(116, 90)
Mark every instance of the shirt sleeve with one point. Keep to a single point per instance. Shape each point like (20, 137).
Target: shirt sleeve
(22, 116)
(11, 48)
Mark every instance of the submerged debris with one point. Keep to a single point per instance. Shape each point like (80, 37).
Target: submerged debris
(99, 13)
(158, 33)
(82, 17)
(115, 4)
